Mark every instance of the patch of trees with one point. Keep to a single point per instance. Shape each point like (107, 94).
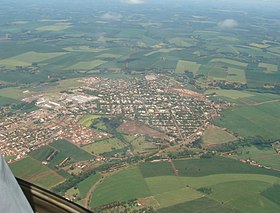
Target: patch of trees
(71, 182)
(205, 190)
(249, 141)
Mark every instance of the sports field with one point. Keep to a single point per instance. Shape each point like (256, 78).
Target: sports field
(102, 146)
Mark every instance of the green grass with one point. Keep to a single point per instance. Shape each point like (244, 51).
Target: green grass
(87, 49)
(229, 61)
(55, 27)
(183, 66)
(218, 165)
(102, 146)
(123, 186)
(42, 153)
(272, 193)
(12, 92)
(233, 94)
(163, 50)
(247, 121)
(236, 75)
(216, 135)
(265, 156)
(71, 150)
(177, 196)
(227, 188)
(86, 184)
(156, 169)
(33, 171)
(85, 65)
(269, 68)
(7, 101)
(86, 120)
(26, 59)
(202, 205)
(182, 42)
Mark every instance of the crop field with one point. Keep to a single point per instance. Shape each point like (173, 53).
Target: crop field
(26, 59)
(42, 153)
(12, 92)
(201, 205)
(275, 49)
(141, 146)
(6, 101)
(102, 146)
(232, 94)
(86, 65)
(217, 72)
(122, 186)
(244, 97)
(229, 61)
(33, 171)
(86, 184)
(85, 49)
(269, 68)
(182, 42)
(164, 50)
(183, 66)
(247, 121)
(164, 190)
(87, 120)
(216, 135)
(265, 156)
(236, 75)
(66, 148)
(107, 55)
(55, 27)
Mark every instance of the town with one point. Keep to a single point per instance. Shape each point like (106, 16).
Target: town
(157, 101)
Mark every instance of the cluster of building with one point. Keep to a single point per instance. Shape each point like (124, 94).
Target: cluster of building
(157, 101)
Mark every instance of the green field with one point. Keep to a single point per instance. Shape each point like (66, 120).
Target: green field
(68, 149)
(229, 61)
(87, 49)
(86, 65)
(86, 184)
(236, 75)
(265, 156)
(183, 66)
(102, 146)
(262, 120)
(216, 135)
(234, 186)
(232, 94)
(64, 149)
(55, 27)
(86, 120)
(122, 186)
(269, 68)
(182, 42)
(33, 171)
(7, 101)
(26, 59)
